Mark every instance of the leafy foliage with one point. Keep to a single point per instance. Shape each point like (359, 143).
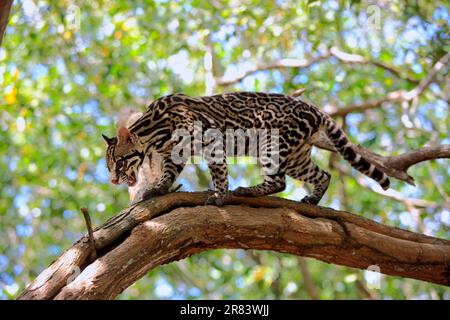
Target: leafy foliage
(67, 68)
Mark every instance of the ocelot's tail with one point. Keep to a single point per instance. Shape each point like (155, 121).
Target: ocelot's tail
(350, 153)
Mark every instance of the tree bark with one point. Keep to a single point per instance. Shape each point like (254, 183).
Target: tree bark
(177, 225)
(5, 8)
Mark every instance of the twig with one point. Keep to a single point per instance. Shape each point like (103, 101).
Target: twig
(178, 187)
(87, 219)
(189, 276)
(365, 291)
(437, 184)
(298, 92)
(307, 279)
(409, 202)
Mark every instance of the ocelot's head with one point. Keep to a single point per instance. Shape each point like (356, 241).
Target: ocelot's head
(124, 157)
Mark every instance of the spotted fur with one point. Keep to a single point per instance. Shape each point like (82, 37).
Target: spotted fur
(299, 125)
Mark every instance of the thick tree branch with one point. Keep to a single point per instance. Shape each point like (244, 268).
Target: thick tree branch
(176, 226)
(129, 244)
(396, 166)
(5, 8)
(406, 160)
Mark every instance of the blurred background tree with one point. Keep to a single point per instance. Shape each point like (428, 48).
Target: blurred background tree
(68, 67)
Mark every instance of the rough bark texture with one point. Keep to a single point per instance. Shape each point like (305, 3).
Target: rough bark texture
(176, 226)
(5, 8)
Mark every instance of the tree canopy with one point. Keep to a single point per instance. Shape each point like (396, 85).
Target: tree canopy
(67, 68)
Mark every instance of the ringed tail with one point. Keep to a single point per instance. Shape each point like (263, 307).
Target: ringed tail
(350, 153)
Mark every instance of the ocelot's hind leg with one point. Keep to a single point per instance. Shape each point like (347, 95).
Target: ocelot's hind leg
(273, 165)
(272, 184)
(311, 173)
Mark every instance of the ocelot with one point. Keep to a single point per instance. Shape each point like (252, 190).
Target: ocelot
(297, 125)
(150, 169)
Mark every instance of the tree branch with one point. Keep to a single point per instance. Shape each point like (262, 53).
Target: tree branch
(394, 96)
(307, 279)
(5, 8)
(395, 166)
(279, 64)
(358, 59)
(393, 194)
(176, 226)
(304, 63)
(87, 219)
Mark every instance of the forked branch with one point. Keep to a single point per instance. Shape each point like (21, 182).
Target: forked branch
(397, 166)
(177, 225)
(393, 166)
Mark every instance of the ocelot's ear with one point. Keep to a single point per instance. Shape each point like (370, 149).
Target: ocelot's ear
(109, 141)
(125, 136)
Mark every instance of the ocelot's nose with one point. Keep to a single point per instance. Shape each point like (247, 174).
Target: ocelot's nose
(115, 180)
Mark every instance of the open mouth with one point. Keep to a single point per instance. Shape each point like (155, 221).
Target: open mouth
(131, 181)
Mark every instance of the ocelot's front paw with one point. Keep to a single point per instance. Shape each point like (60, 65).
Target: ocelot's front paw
(217, 199)
(155, 192)
(310, 200)
(243, 192)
